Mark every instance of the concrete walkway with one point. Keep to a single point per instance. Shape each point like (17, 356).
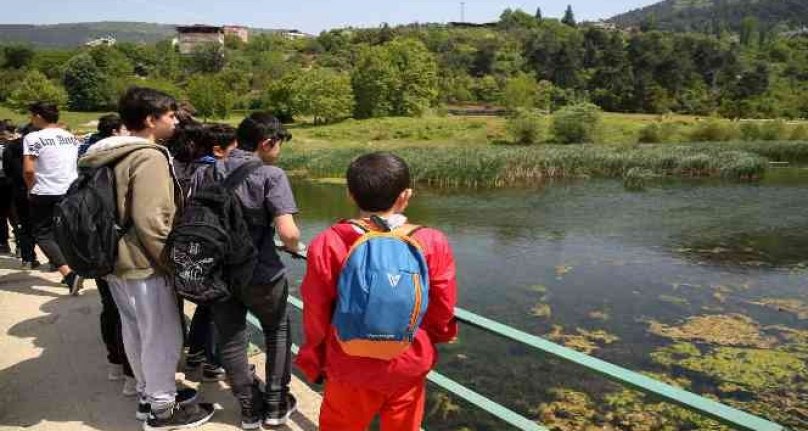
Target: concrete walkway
(53, 364)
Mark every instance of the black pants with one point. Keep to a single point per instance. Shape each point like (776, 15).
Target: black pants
(268, 304)
(23, 228)
(202, 336)
(6, 201)
(111, 329)
(42, 218)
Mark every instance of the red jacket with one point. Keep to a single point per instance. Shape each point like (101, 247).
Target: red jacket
(321, 355)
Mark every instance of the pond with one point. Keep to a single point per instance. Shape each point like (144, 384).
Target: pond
(617, 274)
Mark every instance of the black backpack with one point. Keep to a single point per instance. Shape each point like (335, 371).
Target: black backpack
(210, 252)
(85, 223)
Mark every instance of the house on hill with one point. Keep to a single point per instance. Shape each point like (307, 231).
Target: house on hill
(191, 37)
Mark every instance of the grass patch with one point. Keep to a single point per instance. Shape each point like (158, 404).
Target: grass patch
(500, 166)
(76, 121)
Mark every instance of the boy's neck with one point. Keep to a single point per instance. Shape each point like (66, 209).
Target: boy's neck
(382, 214)
(145, 134)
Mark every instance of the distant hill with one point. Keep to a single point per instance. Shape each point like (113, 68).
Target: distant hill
(75, 34)
(69, 35)
(705, 15)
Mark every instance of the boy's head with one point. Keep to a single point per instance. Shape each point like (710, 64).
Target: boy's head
(148, 113)
(43, 114)
(221, 139)
(379, 182)
(188, 142)
(110, 125)
(262, 134)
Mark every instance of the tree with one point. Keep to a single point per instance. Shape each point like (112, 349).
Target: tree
(279, 99)
(88, 87)
(538, 14)
(112, 61)
(569, 17)
(208, 94)
(749, 27)
(520, 92)
(17, 56)
(323, 94)
(36, 88)
(398, 78)
(208, 58)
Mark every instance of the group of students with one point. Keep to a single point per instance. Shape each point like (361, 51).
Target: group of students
(379, 292)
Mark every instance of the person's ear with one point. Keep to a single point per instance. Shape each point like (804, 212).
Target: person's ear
(150, 122)
(403, 200)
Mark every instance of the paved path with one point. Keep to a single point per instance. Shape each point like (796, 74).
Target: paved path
(53, 364)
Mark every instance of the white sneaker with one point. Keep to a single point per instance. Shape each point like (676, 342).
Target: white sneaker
(115, 372)
(129, 386)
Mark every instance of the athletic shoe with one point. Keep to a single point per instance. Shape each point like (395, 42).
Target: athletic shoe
(180, 417)
(30, 265)
(129, 387)
(74, 282)
(184, 397)
(211, 373)
(279, 413)
(252, 410)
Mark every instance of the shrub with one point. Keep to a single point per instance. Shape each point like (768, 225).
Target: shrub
(800, 133)
(657, 132)
(714, 130)
(526, 128)
(773, 130)
(36, 87)
(750, 131)
(576, 124)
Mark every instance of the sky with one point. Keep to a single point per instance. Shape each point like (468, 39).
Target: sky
(310, 16)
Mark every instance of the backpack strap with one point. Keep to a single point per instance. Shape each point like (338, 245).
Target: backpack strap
(238, 176)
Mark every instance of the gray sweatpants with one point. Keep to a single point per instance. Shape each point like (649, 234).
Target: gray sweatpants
(152, 337)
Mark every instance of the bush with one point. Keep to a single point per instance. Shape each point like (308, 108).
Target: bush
(659, 132)
(773, 130)
(576, 124)
(750, 131)
(714, 130)
(36, 88)
(526, 128)
(800, 133)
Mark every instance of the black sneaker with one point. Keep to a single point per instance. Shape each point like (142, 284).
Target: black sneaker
(73, 282)
(252, 410)
(212, 373)
(279, 413)
(180, 417)
(184, 397)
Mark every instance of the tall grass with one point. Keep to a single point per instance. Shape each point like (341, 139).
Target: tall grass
(499, 166)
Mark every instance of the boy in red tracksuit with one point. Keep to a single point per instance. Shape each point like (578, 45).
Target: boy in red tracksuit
(359, 388)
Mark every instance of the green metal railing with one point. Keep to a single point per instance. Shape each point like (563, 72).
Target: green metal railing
(722, 413)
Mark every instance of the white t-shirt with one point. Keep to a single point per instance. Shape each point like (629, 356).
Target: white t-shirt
(56, 152)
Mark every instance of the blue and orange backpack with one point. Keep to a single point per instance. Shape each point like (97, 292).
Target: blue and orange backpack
(383, 292)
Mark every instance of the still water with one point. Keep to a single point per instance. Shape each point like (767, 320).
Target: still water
(590, 255)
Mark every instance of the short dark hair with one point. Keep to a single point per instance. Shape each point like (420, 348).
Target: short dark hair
(187, 143)
(219, 134)
(48, 111)
(376, 180)
(138, 103)
(257, 128)
(108, 125)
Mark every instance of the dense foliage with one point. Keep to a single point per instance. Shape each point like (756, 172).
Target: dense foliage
(522, 62)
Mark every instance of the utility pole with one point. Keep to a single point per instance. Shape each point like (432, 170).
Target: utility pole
(463, 11)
